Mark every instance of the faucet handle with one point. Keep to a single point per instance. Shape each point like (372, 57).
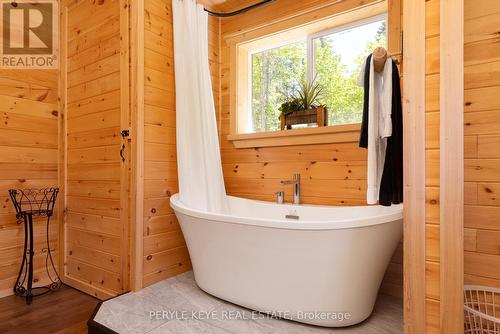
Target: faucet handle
(281, 196)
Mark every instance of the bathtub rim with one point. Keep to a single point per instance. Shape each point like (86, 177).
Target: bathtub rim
(396, 215)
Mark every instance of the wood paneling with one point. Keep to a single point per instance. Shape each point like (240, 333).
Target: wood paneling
(432, 146)
(280, 14)
(28, 159)
(482, 129)
(164, 249)
(95, 88)
(417, 17)
(451, 169)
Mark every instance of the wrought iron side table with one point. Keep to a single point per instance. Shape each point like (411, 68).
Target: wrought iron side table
(30, 203)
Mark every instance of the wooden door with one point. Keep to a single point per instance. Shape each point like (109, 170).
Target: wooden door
(96, 158)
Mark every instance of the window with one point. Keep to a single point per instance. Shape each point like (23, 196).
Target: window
(275, 74)
(331, 58)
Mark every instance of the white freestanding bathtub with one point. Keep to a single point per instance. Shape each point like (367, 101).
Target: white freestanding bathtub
(324, 268)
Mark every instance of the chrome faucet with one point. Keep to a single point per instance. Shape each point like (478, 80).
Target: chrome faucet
(296, 187)
(281, 196)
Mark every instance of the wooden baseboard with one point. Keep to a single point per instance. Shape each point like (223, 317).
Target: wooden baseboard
(86, 288)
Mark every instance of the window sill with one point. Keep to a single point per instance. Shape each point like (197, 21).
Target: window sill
(322, 135)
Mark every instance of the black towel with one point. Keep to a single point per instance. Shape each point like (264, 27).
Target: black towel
(391, 185)
(363, 136)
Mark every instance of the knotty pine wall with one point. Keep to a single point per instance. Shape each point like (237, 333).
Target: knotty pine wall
(432, 259)
(165, 252)
(96, 256)
(482, 142)
(332, 174)
(28, 159)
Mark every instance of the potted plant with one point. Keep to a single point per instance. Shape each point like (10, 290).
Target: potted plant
(303, 107)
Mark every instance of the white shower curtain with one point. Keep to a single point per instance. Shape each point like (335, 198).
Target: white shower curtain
(201, 182)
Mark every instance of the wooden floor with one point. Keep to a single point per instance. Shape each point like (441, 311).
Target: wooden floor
(64, 311)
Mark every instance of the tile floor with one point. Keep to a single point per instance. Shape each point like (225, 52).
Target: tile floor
(130, 313)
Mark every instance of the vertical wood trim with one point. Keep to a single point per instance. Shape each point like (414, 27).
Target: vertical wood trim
(451, 164)
(233, 90)
(62, 131)
(125, 216)
(394, 27)
(137, 95)
(219, 64)
(414, 166)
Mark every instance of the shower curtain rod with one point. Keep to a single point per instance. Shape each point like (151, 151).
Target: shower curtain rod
(239, 11)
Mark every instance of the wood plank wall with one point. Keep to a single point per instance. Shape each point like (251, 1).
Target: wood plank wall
(94, 250)
(28, 159)
(165, 252)
(332, 174)
(432, 167)
(482, 142)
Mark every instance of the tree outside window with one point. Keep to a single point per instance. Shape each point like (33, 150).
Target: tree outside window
(337, 59)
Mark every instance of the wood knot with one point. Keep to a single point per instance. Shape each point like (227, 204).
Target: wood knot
(55, 113)
(149, 257)
(153, 210)
(43, 97)
(488, 190)
(468, 103)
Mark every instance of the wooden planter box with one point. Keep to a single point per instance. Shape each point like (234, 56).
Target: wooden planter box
(318, 115)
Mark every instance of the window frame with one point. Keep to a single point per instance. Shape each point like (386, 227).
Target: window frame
(311, 54)
(238, 46)
(310, 60)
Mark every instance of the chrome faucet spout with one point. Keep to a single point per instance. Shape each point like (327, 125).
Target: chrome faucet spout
(296, 187)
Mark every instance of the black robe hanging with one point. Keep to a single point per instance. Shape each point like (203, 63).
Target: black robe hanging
(391, 185)
(363, 136)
